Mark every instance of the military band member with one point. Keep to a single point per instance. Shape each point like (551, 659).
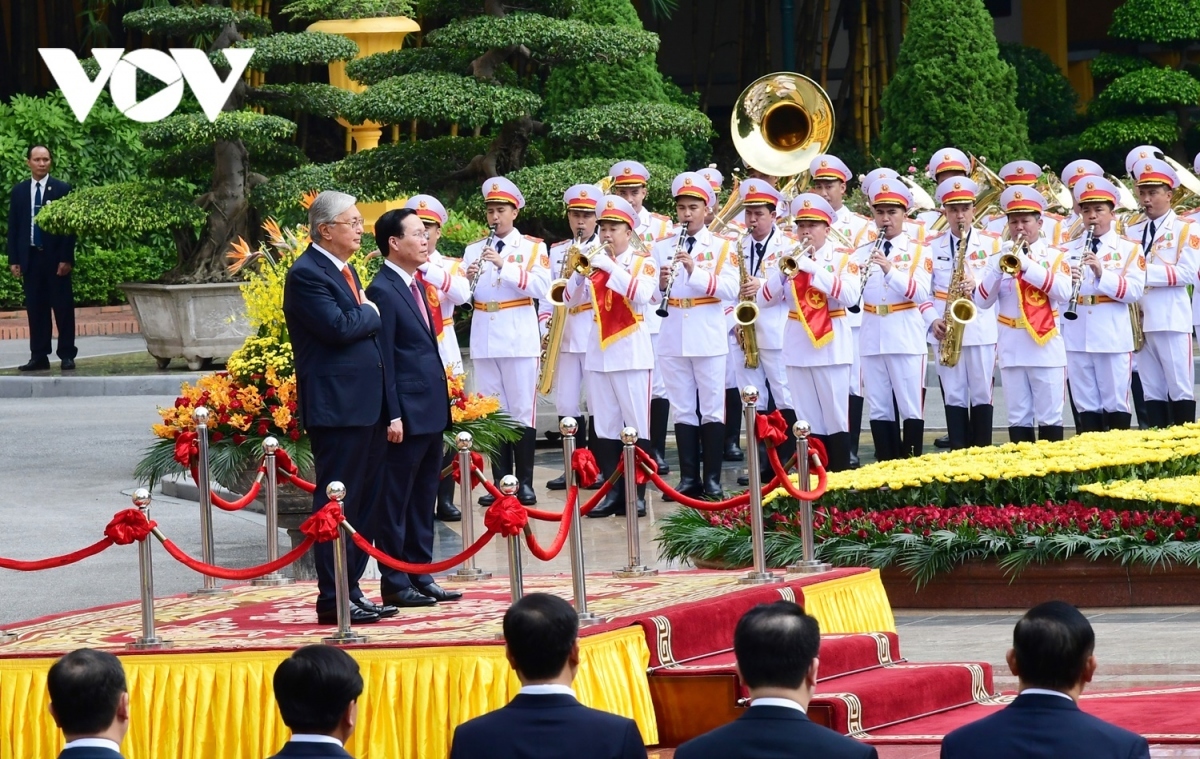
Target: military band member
(1169, 244)
(700, 270)
(1032, 357)
(1072, 226)
(1023, 174)
(1100, 341)
(629, 180)
(569, 377)
(892, 338)
(966, 386)
(829, 179)
(1196, 282)
(914, 227)
(445, 287)
(818, 345)
(1140, 153)
(510, 275)
(944, 164)
(623, 284)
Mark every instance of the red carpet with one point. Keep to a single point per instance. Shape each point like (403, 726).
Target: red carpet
(1163, 715)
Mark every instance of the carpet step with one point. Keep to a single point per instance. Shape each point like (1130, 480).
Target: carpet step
(840, 655)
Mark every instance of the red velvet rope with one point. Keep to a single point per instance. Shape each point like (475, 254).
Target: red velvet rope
(583, 463)
(402, 566)
(237, 505)
(287, 471)
(125, 527)
(648, 467)
(554, 516)
(56, 561)
(818, 468)
(476, 470)
(564, 527)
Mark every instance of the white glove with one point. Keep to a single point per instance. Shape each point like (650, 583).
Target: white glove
(603, 263)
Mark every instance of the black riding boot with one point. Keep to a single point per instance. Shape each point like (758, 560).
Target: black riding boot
(1139, 402)
(608, 457)
(1052, 432)
(958, 427)
(446, 510)
(732, 442)
(1183, 412)
(502, 464)
(687, 440)
(523, 463)
(712, 434)
(914, 438)
(981, 425)
(837, 446)
(856, 411)
(660, 411)
(1118, 420)
(560, 482)
(1022, 435)
(1158, 414)
(1090, 421)
(885, 435)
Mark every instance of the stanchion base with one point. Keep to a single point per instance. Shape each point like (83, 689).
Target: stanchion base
(627, 572)
(271, 580)
(7, 637)
(759, 578)
(587, 619)
(208, 592)
(149, 644)
(808, 567)
(344, 639)
(469, 575)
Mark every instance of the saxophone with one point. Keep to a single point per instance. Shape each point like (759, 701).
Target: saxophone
(552, 340)
(745, 313)
(1135, 310)
(960, 309)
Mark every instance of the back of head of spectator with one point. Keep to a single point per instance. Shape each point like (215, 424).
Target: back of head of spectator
(541, 639)
(317, 689)
(88, 696)
(1052, 649)
(776, 649)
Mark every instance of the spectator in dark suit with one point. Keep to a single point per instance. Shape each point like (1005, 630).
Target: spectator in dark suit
(418, 407)
(339, 380)
(776, 650)
(43, 262)
(1052, 659)
(545, 720)
(89, 703)
(317, 689)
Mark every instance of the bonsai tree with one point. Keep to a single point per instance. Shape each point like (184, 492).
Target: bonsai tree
(1141, 101)
(205, 170)
(951, 88)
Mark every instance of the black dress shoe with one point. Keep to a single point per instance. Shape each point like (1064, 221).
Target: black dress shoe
(487, 499)
(35, 365)
(407, 598)
(558, 483)
(744, 480)
(358, 616)
(438, 593)
(447, 512)
(383, 610)
(733, 452)
(942, 442)
(68, 364)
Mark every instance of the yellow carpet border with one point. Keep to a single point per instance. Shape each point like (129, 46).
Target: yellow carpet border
(854, 604)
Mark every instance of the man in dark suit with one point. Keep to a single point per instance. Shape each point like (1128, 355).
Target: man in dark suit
(317, 689)
(776, 650)
(545, 720)
(339, 377)
(1052, 659)
(418, 406)
(89, 703)
(43, 262)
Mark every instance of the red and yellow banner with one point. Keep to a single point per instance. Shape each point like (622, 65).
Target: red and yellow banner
(813, 307)
(614, 315)
(1039, 316)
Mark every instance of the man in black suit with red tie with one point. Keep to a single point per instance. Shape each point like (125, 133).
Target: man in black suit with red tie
(418, 407)
(317, 689)
(339, 379)
(1052, 659)
(90, 704)
(43, 262)
(776, 646)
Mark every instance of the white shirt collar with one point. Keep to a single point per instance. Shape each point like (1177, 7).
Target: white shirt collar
(94, 743)
(408, 278)
(1044, 692)
(547, 690)
(339, 263)
(313, 738)
(786, 703)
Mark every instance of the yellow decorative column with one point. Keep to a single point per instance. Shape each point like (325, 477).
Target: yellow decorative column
(1044, 26)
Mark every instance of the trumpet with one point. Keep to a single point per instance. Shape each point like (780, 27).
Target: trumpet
(1070, 314)
(489, 242)
(789, 265)
(866, 270)
(582, 261)
(662, 309)
(1010, 264)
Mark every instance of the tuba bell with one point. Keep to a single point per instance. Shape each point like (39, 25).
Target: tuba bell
(781, 122)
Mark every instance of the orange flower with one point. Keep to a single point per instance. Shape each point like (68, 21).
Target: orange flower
(306, 200)
(240, 255)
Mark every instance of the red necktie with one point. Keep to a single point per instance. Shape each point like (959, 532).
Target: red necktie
(350, 281)
(419, 297)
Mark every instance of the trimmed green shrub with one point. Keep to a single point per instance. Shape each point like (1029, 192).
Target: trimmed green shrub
(1043, 93)
(1108, 66)
(100, 269)
(951, 87)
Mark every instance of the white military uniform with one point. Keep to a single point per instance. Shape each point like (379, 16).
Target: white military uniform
(653, 227)
(1052, 229)
(619, 375)
(445, 288)
(1033, 375)
(969, 382)
(693, 340)
(1100, 341)
(892, 338)
(818, 375)
(569, 377)
(505, 342)
(1166, 365)
(769, 328)
(860, 231)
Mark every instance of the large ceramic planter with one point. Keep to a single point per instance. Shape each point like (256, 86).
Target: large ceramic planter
(293, 506)
(192, 322)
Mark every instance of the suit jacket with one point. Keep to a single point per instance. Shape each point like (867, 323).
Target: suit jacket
(1039, 725)
(414, 377)
(773, 731)
(304, 749)
(547, 727)
(60, 248)
(339, 367)
(88, 752)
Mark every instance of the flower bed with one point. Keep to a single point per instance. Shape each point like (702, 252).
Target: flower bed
(1181, 493)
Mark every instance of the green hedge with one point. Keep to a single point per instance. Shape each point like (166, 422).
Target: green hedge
(1043, 92)
(99, 271)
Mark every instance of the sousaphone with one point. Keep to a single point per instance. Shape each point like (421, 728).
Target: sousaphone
(781, 122)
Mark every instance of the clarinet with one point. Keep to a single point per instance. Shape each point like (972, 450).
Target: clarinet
(1070, 314)
(866, 272)
(662, 309)
(489, 242)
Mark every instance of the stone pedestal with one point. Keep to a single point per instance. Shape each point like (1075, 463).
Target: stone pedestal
(193, 322)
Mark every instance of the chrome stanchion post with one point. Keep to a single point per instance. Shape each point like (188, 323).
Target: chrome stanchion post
(337, 492)
(508, 487)
(808, 564)
(467, 571)
(629, 438)
(569, 427)
(149, 640)
(759, 575)
(271, 466)
(203, 483)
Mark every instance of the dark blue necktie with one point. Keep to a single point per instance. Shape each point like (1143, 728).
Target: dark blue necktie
(1096, 245)
(691, 243)
(37, 206)
(887, 249)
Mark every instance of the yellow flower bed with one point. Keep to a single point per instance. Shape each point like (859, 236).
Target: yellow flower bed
(1176, 491)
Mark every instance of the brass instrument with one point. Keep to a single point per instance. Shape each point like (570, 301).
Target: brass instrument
(582, 262)
(745, 313)
(960, 309)
(986, 201)
(723, 217)
(552, 340)
(1058, 197)
(781, 122)
(1010, 264)
(1135, 324)
(789, 265)
(1188, 191)
(663, 310)
(866, 270)
(922, 200)
(489, 242)
(1071, 314)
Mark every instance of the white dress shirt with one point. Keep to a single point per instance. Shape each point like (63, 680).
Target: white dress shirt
(33, 189)
(313, 738)
(548, 690)
(93, 742)
(786, 703)
(1044, 692)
